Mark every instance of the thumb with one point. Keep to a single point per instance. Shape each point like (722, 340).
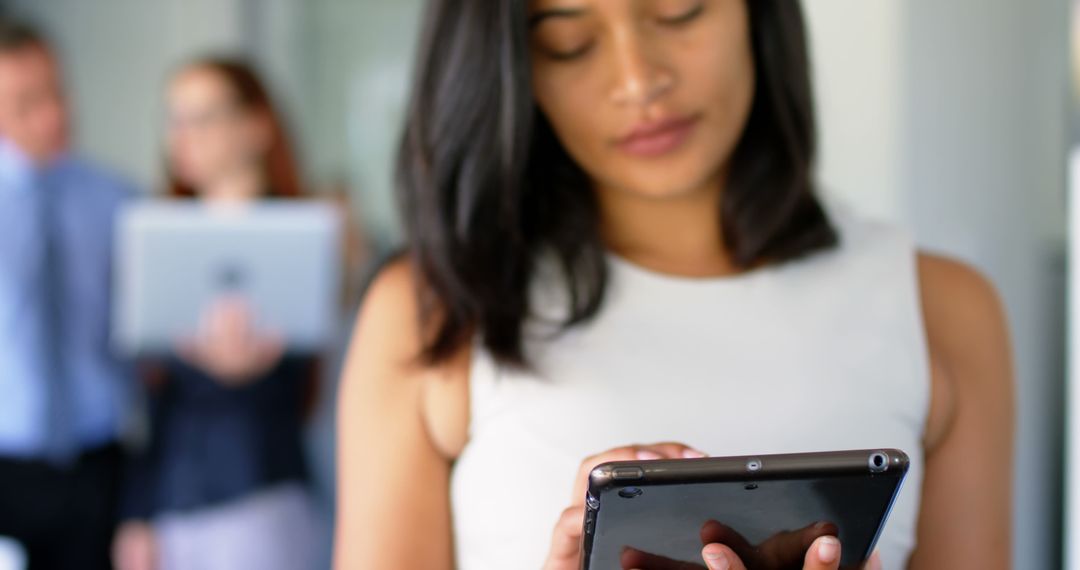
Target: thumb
(720, 557)
(824, 554)
(565, 551)
(875, 562)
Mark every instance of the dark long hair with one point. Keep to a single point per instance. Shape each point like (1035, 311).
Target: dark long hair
(485, 186)
(251, 96)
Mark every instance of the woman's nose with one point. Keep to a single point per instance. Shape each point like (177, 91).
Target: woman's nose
(639, 79)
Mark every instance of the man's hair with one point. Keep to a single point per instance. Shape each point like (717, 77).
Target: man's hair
(16, 35)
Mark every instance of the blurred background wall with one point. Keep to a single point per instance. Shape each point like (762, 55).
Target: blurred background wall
(951, 118)
(948, 117)
(986, 144)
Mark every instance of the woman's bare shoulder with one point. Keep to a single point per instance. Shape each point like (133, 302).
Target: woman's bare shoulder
(963, 312)
(968, 341)
(387, 345)
(382, 421)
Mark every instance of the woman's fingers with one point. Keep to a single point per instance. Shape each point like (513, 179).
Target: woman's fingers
(229, 347)
(667, 450)
(720, 557)
(581, 481)
(634, 559)
(824, 554)
(874, 563)
(269, 348)
(134, 547)
(673, 450)
(565, 543)
(716, 532)
(566, 540)
(788, 548)
(227, 319)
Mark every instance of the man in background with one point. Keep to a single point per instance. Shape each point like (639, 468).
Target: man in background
(63, 397)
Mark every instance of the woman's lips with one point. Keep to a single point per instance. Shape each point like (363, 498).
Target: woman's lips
(658, 138)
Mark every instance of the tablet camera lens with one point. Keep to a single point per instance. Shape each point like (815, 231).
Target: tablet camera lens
(879, 462)
(630, 492)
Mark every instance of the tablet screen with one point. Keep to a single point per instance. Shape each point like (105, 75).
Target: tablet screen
(769, 523)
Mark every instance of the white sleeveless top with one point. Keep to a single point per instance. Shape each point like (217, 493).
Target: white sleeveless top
(825, 353)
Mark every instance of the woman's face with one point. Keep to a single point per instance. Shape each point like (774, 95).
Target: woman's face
(210, 136)
(650, 97)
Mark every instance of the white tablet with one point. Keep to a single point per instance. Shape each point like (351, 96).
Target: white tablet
(174, 259)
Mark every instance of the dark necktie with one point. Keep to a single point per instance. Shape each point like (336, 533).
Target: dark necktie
(60, 445)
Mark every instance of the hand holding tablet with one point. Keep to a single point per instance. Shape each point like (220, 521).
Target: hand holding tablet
(665, 507)
(228, 345)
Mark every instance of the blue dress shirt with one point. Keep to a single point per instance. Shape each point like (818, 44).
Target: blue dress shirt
(85, 201)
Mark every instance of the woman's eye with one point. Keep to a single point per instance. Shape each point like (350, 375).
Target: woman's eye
(569, 55)
(685, 17)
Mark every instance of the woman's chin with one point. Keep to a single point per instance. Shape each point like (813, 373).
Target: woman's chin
(667, 189)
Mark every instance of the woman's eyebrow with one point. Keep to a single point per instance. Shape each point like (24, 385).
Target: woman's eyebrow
(540, 16)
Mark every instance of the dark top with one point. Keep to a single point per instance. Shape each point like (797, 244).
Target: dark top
(210, 444)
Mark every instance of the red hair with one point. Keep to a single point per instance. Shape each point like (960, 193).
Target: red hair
(280, 165)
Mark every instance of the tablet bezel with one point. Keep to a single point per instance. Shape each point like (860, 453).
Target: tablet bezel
(745, 469)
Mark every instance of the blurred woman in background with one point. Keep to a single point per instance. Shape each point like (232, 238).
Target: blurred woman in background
(223, 481)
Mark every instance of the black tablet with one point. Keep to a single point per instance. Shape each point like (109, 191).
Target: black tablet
(657, 515)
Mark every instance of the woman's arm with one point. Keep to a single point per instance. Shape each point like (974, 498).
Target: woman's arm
(393, 481)
(965, 517)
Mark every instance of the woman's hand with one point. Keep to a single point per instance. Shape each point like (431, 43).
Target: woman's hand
(785, 550)
(134, 547)
(823, 554)
(815, 545)
(565, 551)
(228, 347)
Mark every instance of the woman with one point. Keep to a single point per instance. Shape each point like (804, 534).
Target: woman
(614, 239)
(223, 483)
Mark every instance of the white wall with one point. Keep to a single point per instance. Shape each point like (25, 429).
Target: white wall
(117, 54)
(985, 164)
(1072, 434)
(856, 54)
(359, 56)
(1072, 482)
(950, 117)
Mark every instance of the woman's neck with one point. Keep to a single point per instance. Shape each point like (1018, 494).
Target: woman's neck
(678, 235)
(237, 187)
